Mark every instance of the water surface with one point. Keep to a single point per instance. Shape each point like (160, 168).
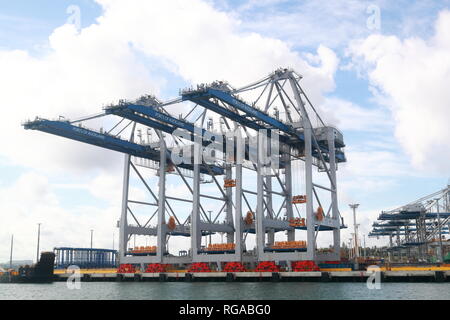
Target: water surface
(223, 291)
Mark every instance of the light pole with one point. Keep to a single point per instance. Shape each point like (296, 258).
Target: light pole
(355, 226)
(364, 246)
(441, 254)
(11, 255)
(90, 253)
(38, 239)
(350, 247)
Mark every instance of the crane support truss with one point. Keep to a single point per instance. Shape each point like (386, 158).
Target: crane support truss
(255, 151)
(417, 226)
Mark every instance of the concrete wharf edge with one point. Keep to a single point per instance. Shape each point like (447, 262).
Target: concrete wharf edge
(315, 276)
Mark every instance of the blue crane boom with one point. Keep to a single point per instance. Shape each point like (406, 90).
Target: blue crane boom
(253, 118)
(228, 98)
(130, 114)
(202, 99)
(389, 233)
(67, 130)
(393, 229)
(397, 223)
(412, 215)
(151, 117)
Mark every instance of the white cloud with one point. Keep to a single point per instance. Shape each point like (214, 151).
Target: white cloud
(31, 200)
(307, 23)
(375, 163)
(192, 40)
(80, 72)
(333, 23)
(413, 75)
(205, 44)
(348, 116)
(106, 61)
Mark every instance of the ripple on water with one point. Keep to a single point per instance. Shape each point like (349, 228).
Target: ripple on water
(224, 291)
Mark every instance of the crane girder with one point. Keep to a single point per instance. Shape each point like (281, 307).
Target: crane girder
(67, 130)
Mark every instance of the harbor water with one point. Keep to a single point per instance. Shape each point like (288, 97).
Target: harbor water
(224, 291)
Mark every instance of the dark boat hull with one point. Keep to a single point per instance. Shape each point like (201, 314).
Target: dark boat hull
(41, 272)
(25, 279)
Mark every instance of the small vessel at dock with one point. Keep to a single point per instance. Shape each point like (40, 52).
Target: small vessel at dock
(41, 272)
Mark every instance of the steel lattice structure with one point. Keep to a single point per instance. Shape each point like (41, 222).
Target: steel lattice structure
(418, 225)
(193, 151)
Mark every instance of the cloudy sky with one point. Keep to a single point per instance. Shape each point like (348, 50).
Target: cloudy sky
(379, 70)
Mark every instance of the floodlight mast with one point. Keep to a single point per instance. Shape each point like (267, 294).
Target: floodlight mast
(355, 226)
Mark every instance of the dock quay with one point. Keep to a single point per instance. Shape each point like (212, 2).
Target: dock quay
(314, 276)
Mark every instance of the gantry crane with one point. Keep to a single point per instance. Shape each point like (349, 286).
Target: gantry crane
(415, 227)
(293, 133)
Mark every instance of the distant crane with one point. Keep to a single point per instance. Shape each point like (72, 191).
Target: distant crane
(416, 225)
